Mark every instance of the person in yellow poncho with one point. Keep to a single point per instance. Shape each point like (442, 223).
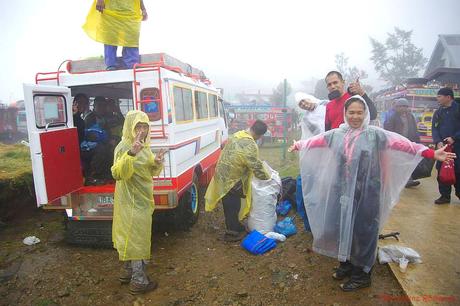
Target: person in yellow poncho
(232, 181)
(133, 168)
(116, 23)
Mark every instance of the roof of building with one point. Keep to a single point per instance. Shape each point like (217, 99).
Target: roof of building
(446, 54)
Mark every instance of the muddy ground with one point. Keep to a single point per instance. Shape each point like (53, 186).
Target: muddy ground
(192, 267)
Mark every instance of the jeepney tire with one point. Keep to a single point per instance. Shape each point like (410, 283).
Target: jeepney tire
(190, 205)
(96, 234)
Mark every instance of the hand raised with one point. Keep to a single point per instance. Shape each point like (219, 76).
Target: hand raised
(160, 156)
(137, 145)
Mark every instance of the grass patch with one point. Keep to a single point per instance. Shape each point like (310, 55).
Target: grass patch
(273, 155)
(15, 173)
(14, 161)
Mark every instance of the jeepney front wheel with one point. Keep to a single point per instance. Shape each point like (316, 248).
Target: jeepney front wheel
(190, 205)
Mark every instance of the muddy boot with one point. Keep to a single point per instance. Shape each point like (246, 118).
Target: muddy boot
(343, 270)
(233, 236)
(126, 273)
(442, 200)
(136, 288)
(359, 279)
(140, 282)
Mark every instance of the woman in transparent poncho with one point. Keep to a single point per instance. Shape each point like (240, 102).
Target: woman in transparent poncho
(351, 178)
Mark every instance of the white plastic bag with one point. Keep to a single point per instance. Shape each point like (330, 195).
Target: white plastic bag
(276, 236)
(31, 240)
(393, 253)
(262, 216)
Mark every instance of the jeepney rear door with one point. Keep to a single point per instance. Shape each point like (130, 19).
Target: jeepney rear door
(54, 145)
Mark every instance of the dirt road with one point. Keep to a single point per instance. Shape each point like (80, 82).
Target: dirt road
(193, 268)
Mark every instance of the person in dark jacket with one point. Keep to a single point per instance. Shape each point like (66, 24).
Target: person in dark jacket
(403, 122)
(78, 122)
(446, 129)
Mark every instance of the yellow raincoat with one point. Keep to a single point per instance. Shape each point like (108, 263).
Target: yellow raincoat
(238, 161)
(118, 25)
(133, 202)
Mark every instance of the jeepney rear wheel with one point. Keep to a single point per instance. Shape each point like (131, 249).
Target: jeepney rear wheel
(190, 205)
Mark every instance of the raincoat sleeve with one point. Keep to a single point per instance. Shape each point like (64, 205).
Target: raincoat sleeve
(156, 168)
(315, 142)
(123, 166)
(404, 145)
(255, 164)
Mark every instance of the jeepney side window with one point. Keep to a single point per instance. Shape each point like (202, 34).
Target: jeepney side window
(49, 110)
(212, 106)
(201, 105)
(223, 113)
(183, 104)
(150, 104)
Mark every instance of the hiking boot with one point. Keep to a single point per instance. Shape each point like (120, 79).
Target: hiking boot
(442, 200)
(125, 277)
(135, 288)
(342, 271)
(232, 236)
(359, 279)
(411, 183)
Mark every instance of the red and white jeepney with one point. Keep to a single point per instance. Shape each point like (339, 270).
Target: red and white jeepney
(187, 119)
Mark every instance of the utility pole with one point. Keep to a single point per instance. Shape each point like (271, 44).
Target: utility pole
(284, 146)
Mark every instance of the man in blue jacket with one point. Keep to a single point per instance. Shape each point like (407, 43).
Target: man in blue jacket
(446, 129)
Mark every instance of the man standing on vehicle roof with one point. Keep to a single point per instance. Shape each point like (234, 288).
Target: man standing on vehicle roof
(338, 95)
(117, 23)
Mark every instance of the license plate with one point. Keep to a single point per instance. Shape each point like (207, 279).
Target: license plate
(104, 200)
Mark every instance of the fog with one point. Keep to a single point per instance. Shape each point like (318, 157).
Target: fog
(241, 45)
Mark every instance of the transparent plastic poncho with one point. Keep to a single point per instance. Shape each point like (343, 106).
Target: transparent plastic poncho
(133, 199)
(351, 179)
(118, 25)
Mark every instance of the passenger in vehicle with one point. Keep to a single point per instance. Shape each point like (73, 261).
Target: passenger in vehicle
(95, 150)
(109, 122)
(82, 102)
(114, 120)
(78, 121)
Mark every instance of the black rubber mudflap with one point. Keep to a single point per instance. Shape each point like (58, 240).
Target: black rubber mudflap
(89, 233)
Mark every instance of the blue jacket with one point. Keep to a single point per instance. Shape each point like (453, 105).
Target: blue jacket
(446, 123)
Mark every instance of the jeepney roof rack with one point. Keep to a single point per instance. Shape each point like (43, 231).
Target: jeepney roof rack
(98, 65)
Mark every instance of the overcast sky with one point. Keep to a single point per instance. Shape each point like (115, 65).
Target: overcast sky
(251, 44)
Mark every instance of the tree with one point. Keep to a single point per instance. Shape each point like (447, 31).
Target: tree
(398, 58)
(350, 74)
(277, 97)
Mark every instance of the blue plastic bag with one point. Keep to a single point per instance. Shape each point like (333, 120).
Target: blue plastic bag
(300, 204)
(286, 227)
(283, 208)
(258, 244)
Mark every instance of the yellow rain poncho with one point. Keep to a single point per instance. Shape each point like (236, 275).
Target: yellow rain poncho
(118, 25)
(238, 161)
(133, 202)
